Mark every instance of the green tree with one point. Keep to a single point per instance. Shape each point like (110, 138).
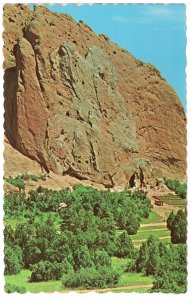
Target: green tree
(82, 257)
(66, 266)
(171, 276)
(148, 258)
(179, 228)
(101, 258)
(105, 241)
(153, 262)
(36, 240)
(170, 220)
(132, 224)
(124, 246)
(61, 247)
(142, 258)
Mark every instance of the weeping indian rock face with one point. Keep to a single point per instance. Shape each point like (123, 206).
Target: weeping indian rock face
(78, 104)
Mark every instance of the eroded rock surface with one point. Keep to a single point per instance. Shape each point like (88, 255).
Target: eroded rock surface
(80, 105)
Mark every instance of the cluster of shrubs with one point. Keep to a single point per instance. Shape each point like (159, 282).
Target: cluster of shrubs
(46, 270)
(179, 188)
(87, 277)
(76, 239)
(90, 278)
(74, 242)
(50, 255)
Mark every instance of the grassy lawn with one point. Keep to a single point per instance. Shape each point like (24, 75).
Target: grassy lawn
(119, 263)
(173, 200)
(176, 202)
(21, 279)
(167, 241)
(131, 279)
(145, 235)
(126, 279)
(153, 217)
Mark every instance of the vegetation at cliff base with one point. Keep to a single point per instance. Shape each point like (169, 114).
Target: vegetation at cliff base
(73, 236)
(179, 188)
(19, 180)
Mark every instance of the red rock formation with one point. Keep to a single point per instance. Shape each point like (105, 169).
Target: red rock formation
(81, 105)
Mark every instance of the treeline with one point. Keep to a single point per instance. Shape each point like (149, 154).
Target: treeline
(179, 188)
(119, 209)
(19, 181)
(71, 234)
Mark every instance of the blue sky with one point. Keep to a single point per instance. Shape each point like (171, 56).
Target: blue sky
(154, 33)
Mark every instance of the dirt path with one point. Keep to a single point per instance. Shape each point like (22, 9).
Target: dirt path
(160, 238)
(153, 224)
(156, 229)
(110, 289)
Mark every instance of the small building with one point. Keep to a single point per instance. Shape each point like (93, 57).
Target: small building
(159, 202)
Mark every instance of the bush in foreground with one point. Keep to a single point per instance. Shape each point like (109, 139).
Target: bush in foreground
(170, 282)
(12, 288)
(90, 278)
(45, 271)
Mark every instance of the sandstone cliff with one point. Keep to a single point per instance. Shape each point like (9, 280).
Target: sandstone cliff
(79, 105)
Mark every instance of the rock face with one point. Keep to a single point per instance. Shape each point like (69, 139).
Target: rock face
(80, 105)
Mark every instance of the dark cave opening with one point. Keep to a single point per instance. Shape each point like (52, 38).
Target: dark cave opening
(132, 181)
